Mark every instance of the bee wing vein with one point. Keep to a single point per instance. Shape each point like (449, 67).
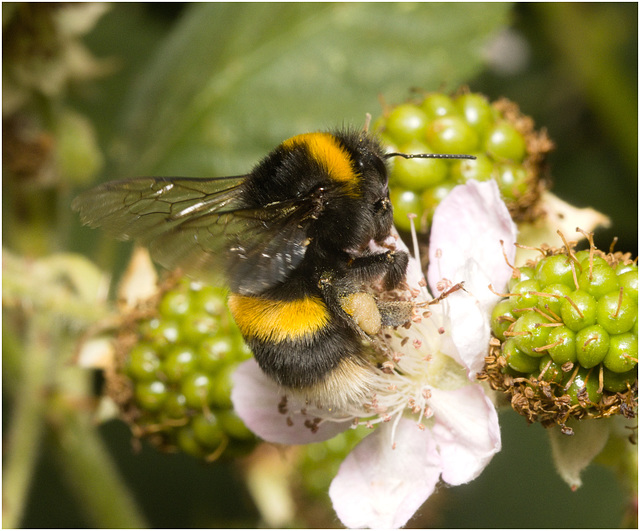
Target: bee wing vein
(203, 226)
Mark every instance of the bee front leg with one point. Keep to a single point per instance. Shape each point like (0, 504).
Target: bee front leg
(392, 265)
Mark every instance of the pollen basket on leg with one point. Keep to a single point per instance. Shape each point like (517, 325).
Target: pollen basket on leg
(327, 151)
(278, 320)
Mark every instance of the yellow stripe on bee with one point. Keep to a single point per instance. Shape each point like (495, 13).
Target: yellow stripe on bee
(277, 320)
(327, 151)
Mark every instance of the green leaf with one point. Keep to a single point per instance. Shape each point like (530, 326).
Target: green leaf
(235, 79)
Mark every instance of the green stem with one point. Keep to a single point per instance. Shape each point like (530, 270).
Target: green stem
(23, 441)
(92, 475)
(12, 357)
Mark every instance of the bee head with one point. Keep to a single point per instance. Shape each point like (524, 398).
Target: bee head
(338, 180)
(362, 211)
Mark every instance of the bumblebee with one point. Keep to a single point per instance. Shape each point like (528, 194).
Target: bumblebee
(291, 239)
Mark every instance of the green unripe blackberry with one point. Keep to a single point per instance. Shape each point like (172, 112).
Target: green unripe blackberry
(143, 363)
(179, 362)
(232, 424)
(623, 353)
(186, 440)
(405, 203)
(175, 304)
(616, 312)
(406, 123)
(583, 388)
(531, 333)
(197, 326)
(551, 303)
(220, 395)
(520, 274)
(588, 260)
(214, 350)
(599, 280)
(172, 378)
(550, 371)
(175, 406)
(436, 105)
(502, 317)
(418, 174)
(618, 382)
(525, 294)
(562, 345)
(504, 142)
(197, 388)
(578, 310)
(625, 266)
(570, 314)
(151, 395)
(319, 462)
(162, 332)
(555, 270)
(478, 169)
(451, 134)
(592, 345)
(476, 111)
(207, 430)
(512, 180)
(629, 281)
(517, 359)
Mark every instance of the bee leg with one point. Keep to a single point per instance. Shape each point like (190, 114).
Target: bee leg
(332, 289)
(392, 265)
(397, 270)
(367, 312)
(358, 307)
(395, 313)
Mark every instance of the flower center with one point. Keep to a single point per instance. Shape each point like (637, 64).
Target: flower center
(406, 364)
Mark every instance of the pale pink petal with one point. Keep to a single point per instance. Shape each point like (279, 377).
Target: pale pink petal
(468, 225)
(256, 400)
(467, 229)
(381, 487)
(466, 431)
(469, 320)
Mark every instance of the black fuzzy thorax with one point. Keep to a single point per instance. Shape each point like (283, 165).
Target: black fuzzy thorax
(340, 220)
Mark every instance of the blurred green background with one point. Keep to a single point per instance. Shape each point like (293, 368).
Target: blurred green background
(206, 90)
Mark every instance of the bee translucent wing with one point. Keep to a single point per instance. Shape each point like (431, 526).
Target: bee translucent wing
(143, 208)
(202, 226)
(154, 211)
(267, 254)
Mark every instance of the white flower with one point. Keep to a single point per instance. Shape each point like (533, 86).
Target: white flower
(434, 420)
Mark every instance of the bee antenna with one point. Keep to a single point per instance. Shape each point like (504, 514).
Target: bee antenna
(428, 156)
